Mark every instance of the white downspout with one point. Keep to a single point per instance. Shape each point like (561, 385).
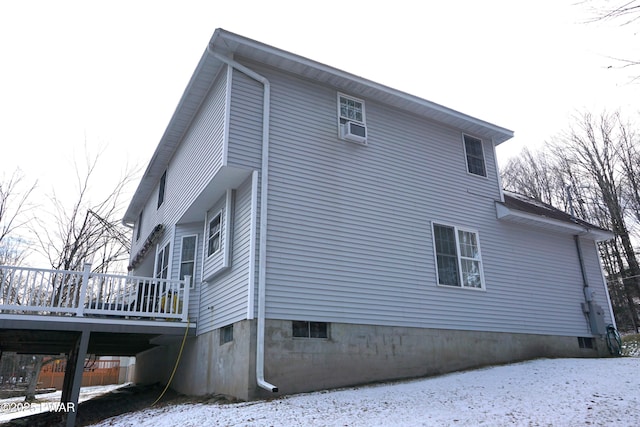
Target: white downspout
(262, 250)
(251, 285)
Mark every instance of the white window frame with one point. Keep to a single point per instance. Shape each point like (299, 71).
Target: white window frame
(162, 186)
(218, 233)
(193, 261)
(163, 254)
(139, 225)
(459, 257)
(343, 119)
(466, 155)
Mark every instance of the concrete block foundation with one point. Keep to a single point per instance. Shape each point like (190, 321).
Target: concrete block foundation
(351, 355)
(359, 354)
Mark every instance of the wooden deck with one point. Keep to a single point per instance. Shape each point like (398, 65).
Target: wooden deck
(41, 310)
(35, 291)
(79, 312)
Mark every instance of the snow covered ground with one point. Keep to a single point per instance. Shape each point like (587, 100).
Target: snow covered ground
(546, 392)
(15, 407)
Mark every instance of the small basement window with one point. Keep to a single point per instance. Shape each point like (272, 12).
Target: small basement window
(302, 329)
(585, 342)
(226, 334)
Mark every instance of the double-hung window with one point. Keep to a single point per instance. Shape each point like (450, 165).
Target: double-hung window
(139, 226)
(457, 257)
(213, 238)
(161, 188)
(475, 155)
(188, 256)
(351, 109)
(162, 263)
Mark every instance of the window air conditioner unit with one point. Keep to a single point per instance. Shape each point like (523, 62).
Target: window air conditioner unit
(352, 131)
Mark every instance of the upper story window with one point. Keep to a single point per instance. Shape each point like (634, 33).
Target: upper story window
(457, 257)
(139, 226)
(213, 238)
(351, 109)
(351, 119)
(475, 155)
(163, 182)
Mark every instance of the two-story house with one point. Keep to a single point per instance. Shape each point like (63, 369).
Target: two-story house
(339, 232)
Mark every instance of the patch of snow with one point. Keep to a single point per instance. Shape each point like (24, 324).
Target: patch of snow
(631, 348)
(539, 392)
(15, 407)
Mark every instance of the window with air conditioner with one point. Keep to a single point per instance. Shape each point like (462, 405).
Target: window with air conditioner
(351, 119)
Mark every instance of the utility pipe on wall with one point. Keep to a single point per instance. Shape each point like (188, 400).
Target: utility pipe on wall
(585, 280)
(262, 250)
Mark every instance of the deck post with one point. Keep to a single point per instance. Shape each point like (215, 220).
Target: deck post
(83, 288)
(185, 302)
(73, 377)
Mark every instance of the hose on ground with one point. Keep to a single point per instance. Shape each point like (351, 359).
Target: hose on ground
(614, 343)
(175, 367)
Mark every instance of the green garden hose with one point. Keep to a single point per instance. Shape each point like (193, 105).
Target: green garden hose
(614, 343)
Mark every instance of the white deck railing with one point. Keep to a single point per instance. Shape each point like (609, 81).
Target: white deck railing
(82, 293)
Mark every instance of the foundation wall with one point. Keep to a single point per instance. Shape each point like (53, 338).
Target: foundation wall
(357, 354)
(353, 354)
(206, 366)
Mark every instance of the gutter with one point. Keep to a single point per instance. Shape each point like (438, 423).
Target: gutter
(264, 186)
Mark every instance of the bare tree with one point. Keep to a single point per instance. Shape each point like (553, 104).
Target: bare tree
(15, 206)
(87, 229)
(624, 12)
(591, 170)
(533, 174)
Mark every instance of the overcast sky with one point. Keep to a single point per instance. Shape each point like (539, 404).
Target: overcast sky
(111, 72)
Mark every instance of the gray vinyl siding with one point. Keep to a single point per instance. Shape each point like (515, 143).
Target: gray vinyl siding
(245, 124)
(198, 158)
(349, 237)
(200, 155)
(224, 298)
(151, 216)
